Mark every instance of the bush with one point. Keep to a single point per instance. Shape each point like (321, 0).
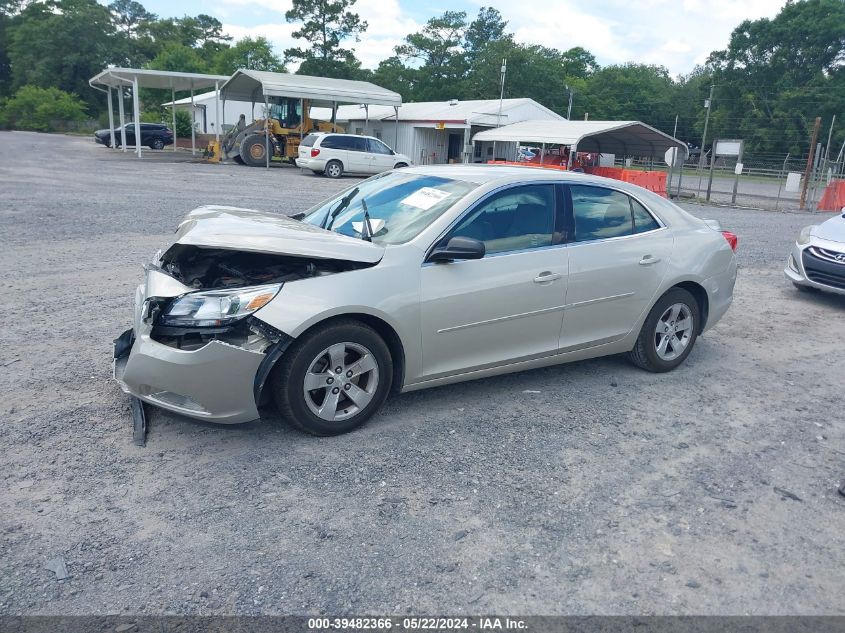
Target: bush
(41, 109)
(183, 124)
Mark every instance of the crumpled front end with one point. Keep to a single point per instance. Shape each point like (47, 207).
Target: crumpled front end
(207, 374)
(197, 346)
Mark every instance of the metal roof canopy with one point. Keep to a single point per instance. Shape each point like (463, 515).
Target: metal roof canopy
(118, 78)
(626, 138)
(253, 85)
(161, 79)
(258, 85)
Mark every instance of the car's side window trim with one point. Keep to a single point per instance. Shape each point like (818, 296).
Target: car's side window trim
(484, 199)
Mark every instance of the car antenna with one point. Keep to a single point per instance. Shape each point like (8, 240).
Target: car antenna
(369, 234)
(327, 223)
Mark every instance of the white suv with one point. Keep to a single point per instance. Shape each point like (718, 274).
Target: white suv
(333, 154)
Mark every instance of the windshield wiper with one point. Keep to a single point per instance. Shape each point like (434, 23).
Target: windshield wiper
(367, 234)
(327, 223)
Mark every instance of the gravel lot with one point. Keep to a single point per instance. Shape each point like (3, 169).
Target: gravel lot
(587, 488)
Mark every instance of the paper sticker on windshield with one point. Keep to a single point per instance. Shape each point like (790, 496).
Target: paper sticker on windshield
(426, 198)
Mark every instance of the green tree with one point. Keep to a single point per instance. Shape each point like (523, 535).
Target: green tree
(180, 58)
(41, 109)
(325, 24)
(438, 48)
(130, 16)
(641, 92)
(777, 75)
(251, 53)
(62, 43)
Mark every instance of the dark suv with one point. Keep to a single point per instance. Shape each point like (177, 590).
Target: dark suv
(153, 135)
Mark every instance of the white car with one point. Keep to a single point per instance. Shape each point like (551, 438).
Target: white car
(817, 261)
(337, 154)
(416, 278)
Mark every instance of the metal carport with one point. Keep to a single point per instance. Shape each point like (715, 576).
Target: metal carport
(118, 78)
(257, 85)
(627, 138)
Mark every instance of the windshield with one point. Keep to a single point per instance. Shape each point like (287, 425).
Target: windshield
(399, 205)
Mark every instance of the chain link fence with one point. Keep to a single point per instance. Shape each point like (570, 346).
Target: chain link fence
(766, 181)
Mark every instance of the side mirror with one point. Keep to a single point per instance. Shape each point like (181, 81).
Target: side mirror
(458, 248)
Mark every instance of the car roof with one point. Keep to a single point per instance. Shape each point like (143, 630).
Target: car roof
(482, 174)
(343, 134)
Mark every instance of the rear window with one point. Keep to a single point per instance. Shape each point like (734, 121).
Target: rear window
(309, 140)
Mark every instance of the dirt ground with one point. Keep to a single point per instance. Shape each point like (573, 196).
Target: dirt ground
(589, 488)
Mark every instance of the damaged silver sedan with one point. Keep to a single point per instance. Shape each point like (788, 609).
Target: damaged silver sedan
(413, 279)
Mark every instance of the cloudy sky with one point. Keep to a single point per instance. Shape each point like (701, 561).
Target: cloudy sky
(675, 33)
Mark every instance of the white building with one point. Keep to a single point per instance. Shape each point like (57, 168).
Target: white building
(440, 131)
(205, 111)
(429, 132)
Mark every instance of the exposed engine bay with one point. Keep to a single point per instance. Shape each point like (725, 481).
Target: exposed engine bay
(204, 269)
(213, 268)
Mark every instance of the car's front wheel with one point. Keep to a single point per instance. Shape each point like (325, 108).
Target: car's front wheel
(669, 332)
(157, 143)
(334, 378)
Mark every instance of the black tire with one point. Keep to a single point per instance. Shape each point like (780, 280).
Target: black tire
(238, 159)
(289, 375)
(316, 172)
(645, 354)
(334, 169)
(254, 150)
(157, 144)
(400, 165)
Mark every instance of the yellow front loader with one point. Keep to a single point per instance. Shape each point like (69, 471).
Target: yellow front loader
(289, 120)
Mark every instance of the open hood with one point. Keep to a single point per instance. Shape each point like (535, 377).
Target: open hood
(232, 228)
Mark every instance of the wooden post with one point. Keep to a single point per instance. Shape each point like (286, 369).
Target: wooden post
(809, 167)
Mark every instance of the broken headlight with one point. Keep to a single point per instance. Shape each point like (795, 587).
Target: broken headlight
(213, 308)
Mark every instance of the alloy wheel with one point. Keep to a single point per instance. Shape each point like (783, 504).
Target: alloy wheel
(341, 381)
(673, 331)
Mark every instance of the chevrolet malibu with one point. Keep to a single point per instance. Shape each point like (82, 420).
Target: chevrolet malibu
(817, 261)
(413, 279)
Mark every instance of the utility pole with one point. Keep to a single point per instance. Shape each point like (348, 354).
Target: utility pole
(501, 98)
(709, 105)
(569, 109)
(502, 92)
(809, 167)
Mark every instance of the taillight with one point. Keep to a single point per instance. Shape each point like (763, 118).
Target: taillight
(315, 152)
(733, 240)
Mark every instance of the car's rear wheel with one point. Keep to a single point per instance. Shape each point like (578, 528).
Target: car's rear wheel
(334, 169)
(157, 144)
(669, 332)
(333, 379)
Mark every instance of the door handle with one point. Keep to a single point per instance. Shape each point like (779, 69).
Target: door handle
(546, 276)
(648, 260)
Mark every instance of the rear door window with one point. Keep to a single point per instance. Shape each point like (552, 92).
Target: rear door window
(357, 143)
(600, 213)
(643, 220)
(334, 142)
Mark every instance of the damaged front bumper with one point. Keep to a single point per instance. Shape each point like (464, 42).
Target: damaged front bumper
(214, 381)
